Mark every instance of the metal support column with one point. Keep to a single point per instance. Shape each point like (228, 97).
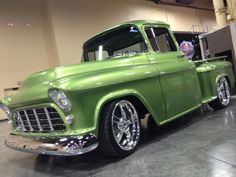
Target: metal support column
(220, 12)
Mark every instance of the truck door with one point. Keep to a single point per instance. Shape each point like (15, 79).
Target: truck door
(177, 75)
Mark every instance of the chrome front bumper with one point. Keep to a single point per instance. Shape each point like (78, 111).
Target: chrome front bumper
(64, 146)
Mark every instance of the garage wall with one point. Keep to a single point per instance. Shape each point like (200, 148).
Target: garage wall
(58, 28)
(22, 49)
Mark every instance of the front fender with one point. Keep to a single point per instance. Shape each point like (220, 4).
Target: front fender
(89, 92)
(117, 95)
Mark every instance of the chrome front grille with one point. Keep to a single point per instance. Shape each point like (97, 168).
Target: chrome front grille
(39, 120)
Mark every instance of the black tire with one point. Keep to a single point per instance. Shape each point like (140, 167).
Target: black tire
(152, 127)
(108, 143)
(223, 94)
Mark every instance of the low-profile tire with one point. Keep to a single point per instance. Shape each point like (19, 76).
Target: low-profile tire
(120, 130)
(223, 94)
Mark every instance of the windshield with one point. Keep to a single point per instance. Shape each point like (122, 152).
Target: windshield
(122, 41)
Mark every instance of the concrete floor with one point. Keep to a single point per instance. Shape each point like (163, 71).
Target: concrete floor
(198, 145)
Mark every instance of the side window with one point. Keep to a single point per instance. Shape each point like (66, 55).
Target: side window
(136, 47)
(97, 55)
(160, 39)
(91, 56)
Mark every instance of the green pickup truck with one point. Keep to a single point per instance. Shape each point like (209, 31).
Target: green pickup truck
(127, 72)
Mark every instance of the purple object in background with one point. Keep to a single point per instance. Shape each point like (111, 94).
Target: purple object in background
(188, 49)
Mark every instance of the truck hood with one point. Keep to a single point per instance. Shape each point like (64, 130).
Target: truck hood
(34, 89)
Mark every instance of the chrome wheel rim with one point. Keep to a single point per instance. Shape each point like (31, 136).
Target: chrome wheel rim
(125, 125)
(223, 91)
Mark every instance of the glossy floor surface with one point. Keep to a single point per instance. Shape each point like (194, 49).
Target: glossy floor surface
(197, 145)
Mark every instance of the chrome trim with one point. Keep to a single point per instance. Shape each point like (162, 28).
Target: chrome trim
(41, 119)
(61, 147)
(37, 119)
(27, 117)
(48, 117)
(21, 121)
(125, 125)
(223, 91)
(54, 153)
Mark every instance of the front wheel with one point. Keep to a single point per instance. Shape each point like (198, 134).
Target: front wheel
(223, 94)
(119, 129)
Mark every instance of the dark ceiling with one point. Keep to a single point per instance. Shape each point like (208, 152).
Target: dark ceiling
(202, 4)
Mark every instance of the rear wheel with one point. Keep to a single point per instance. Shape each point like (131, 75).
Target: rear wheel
(223, 94)
(119, 129)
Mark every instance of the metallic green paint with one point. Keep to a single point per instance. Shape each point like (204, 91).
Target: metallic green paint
(168, 85)
(209, 73)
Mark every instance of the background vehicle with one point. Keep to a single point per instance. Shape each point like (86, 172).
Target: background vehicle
(128, 71)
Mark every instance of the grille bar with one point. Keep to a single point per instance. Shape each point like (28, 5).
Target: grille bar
(44, 119)
(20, 121)
(37, 119)
(29, 123)
(49, 121)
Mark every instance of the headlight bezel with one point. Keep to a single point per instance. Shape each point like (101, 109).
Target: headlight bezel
(60, 98)
(6, 109)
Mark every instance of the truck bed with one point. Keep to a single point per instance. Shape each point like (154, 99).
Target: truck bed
(209, 70)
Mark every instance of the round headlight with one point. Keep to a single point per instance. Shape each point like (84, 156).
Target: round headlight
(60, 98)
(6, 110)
